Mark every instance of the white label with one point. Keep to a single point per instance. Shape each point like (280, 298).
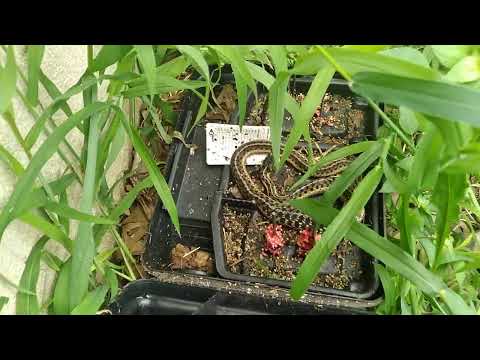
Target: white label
(224, 139)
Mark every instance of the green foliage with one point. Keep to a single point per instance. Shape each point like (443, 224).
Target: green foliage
(427, 155)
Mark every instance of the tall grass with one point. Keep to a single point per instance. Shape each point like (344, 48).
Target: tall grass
(426, 156)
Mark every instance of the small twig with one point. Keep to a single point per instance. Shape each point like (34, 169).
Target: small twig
(191, 252)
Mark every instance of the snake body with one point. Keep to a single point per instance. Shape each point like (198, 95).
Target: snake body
(270, 203)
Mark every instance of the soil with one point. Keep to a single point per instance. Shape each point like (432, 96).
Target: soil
(244, 239)
(336, 120)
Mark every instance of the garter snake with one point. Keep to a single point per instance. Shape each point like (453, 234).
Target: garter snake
(270, 203)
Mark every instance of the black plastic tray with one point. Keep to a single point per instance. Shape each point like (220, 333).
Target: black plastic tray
(193, 184)
(374, 214)
(151, 297)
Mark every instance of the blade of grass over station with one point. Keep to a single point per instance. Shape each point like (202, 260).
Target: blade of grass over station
(34, 60)
(43, 154)
(308, 107)
(164, 84)
(235, 58)
(267, 80)
(147, 60)
(355, 61)
(352, 172)
(242, 95)
(388, 253)
(334, 232)
(276, 112)
(202, 109)
(27, 304)
(156, 176)
(335, 155)
(8, 80)
(278, 54)
(439, 99)
(108, 55)
(197, 58)
(92, 301)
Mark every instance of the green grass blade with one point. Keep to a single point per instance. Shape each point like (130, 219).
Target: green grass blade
(404, 221)
(3, 301)
(334, 232)
(92, 302)
(278, 54)
(335, 155)
(147, 60)
(276, 112)
(307, 109)
(438, 99)
(108, 55)
(197, 58)
(267, 80)
(28, 304)
(84, 245)
(242, 94)
(399, 185)
(12, 163)
(353, 171)
(388, 288)
(37, 198)
(112, 280)
(47, 228)
(45, 152)
(53, 92)
(125, 65)
(355, 61)
(52, 261)
(156, 176)
(34, 60)
(39, 125)
(390, 254)
(449, 55)
(74, 214)
(408, 54)
(60, 296)
(202, 110)
(122, 206)
(408, 120)
(238, 63)
(425, 166)
(447, 194)
(163, 85)
(8, 80)
(171, 69)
